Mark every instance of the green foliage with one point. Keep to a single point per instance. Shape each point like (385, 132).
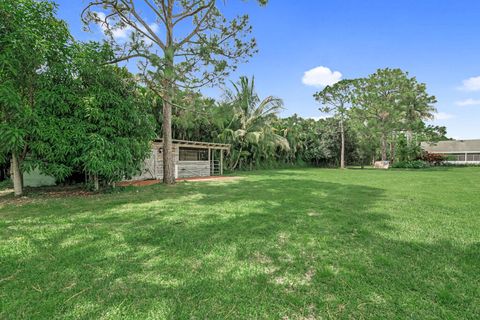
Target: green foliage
(62, 109)
(407, 151)
(195, 44)
(412, 164)
(259, 138)
(336, 98)
(389, 102)
(31, 39)
(97, 121)
(6, 184)
(251, 128)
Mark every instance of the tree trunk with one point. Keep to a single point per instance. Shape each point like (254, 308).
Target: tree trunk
(16, 175)
(384, 146)
(409, 137)
(342, 151)
(238, 158)
(392, 151)
(96, 184)
(168, 161)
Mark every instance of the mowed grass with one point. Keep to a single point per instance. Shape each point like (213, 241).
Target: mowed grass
(285, 244)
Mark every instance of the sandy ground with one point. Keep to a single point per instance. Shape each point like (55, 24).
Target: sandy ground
(198, 179)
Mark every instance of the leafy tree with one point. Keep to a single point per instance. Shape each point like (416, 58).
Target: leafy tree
(96, 120)
(434, 133)
(390, 103)
(366, 137)
(32, 40)
(190, 44)
(378, 100)
(337, 98)
(252, 122)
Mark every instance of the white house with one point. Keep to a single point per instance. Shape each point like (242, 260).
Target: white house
(456, 151)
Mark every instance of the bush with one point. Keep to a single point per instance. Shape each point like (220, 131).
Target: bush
(433, 158)
(415, 164)
(6, 184)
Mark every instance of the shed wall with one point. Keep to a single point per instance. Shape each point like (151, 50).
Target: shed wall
(153, 165)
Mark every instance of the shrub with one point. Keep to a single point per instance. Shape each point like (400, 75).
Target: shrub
(415, 164)
(433, 158)
(6, 184)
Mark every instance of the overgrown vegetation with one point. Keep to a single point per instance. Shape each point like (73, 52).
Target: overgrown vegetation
(63, 109)
(310, 243)
(69, 110)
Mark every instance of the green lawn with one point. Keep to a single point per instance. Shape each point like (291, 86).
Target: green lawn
(285, 244)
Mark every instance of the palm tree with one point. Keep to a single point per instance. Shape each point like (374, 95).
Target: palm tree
(251, 127)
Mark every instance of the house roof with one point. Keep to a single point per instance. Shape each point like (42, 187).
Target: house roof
(198, 144)
(452, 146)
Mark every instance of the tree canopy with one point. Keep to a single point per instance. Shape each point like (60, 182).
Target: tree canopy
(184, 46)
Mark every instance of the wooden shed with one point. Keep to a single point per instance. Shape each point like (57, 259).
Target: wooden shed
(191, 158)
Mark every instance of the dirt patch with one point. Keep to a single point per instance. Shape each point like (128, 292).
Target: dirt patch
(36, 194)
(143, 183)
(139, 183)
(216, 178)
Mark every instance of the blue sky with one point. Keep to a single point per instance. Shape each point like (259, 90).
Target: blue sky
(436, 41)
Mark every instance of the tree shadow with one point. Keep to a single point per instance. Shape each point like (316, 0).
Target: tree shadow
(271, 246)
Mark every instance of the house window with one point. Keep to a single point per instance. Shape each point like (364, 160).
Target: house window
(473, 157)
(193, 154)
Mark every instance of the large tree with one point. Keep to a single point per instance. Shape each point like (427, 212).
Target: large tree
(95, 120)
(391, 102)
(337, 99)
(178, 44)
(32, 41)
(251, 129)
(419, 106)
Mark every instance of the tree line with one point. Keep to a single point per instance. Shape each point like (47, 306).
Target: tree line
(69, 109)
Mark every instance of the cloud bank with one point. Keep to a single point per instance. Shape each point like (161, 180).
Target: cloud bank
(468, 102)
(471, 84)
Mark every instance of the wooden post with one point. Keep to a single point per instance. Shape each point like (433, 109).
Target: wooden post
(221, 162)
(209, 160)
(212, 166)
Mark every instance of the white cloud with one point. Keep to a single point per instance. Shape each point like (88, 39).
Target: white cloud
(321, 77)
(468, 102)
(154, 27)
(471, 84)
(122, 33)
(443, 116)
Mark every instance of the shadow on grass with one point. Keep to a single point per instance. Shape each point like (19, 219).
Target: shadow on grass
(271, 246)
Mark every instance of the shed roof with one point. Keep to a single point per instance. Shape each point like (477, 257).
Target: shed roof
(198, 144)
(452, 146)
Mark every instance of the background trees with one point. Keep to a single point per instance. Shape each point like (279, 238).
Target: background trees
(337, 98)
(62, 108)
(67, 109)
(189, 44)
(96, 121)
(32, 40)
(251, 128)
